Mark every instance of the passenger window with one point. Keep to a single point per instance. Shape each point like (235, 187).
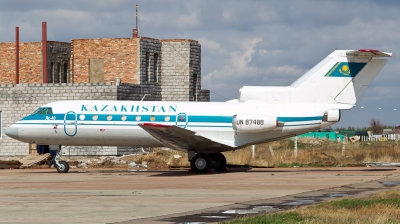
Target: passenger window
(49, 111)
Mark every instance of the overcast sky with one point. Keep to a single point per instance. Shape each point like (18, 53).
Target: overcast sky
(243, 42)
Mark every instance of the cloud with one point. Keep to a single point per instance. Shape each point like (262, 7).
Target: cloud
(253, 43)
(211, 45)
(238, 65)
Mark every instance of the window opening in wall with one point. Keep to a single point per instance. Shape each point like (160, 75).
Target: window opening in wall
(65, 73)
(147, 67)
(51, 73)
(155, 68)
(194, 86)
(57, 74)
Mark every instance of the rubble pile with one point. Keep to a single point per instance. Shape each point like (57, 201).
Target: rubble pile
(313, 141)
(103, 161)
(107, 162)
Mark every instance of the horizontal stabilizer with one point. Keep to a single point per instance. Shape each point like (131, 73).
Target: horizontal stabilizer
(368, 53)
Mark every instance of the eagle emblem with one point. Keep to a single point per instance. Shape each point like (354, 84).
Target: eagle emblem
(345, 70)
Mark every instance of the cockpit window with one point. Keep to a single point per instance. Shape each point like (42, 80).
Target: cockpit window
(43, 111)
(49, 111)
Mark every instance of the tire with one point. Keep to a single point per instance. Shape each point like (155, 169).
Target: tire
(201, 163)
(63, 168)
(218, 161)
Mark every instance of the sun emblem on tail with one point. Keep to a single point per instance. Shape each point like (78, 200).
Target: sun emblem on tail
(345, 70)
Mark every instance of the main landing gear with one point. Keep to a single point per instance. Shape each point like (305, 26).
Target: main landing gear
(203, 163)
(62, 166)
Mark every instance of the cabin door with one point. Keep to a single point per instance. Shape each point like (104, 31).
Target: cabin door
(70, 123)
(182, 120)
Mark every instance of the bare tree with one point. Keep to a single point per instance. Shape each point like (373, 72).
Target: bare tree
(376, 126)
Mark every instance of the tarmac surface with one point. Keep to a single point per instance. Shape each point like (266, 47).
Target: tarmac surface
(123, 196)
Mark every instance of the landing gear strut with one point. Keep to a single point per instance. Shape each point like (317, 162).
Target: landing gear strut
(62, 166)
(203, 163)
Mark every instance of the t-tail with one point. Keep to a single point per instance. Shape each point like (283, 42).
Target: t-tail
(341, 78)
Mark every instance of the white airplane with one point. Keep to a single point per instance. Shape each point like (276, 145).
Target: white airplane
(205, 129)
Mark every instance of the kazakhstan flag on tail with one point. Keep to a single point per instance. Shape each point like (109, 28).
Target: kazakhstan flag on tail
(345, 69)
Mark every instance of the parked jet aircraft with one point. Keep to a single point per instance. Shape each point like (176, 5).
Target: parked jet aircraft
(205, 129)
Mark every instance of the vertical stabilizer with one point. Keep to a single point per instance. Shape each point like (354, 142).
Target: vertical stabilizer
(340, 78)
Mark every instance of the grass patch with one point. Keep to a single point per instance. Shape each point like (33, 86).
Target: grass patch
(380, 208)
(277, 218)
(314, 153)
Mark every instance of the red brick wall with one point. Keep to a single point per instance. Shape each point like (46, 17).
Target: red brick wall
(120, 58)
(30, 64)
(7, 63)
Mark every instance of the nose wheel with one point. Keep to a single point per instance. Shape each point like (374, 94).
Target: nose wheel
(62, 166)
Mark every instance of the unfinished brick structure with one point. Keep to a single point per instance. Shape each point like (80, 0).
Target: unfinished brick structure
(30, 66)
(101, 68)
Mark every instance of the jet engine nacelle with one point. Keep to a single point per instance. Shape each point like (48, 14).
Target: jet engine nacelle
(248, 123)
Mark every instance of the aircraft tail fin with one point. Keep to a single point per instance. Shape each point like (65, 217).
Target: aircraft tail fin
(340, 78)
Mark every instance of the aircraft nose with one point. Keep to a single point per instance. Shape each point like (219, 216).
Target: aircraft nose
(12, 132)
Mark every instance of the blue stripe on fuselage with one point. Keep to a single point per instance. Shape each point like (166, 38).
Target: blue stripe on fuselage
(133, 117)
(157, 118)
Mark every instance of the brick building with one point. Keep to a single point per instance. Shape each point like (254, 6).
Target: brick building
(102, 69)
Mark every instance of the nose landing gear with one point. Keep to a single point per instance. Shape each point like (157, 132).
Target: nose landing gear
(62, 166)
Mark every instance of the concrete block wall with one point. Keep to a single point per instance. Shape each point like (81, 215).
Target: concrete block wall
(21, 100)
(175, 74)
(181, 61)
(150, 72)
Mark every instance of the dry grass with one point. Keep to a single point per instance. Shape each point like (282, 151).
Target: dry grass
(314, 153)
(381, 208)
(311, 152)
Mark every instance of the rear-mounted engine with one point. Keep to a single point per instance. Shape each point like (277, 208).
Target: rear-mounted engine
(250, 123)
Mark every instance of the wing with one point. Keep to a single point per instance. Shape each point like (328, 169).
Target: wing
(182, 139)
